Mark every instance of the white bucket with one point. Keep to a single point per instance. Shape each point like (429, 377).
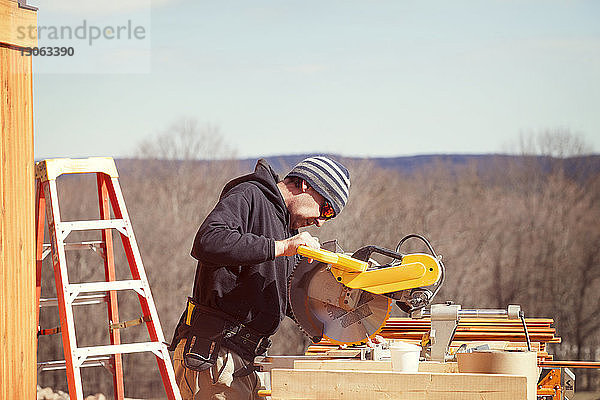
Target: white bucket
(405, 357)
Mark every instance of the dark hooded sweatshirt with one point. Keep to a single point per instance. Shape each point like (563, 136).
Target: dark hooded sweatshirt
(237, 270)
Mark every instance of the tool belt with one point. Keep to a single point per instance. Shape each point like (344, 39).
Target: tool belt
(210, 329)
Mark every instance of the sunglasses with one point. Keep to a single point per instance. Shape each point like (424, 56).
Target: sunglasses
(326, 210)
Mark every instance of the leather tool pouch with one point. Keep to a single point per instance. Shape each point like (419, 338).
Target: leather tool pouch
(204, 340)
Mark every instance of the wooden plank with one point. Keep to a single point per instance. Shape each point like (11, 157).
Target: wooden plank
(344, 365)
(471, 329)
(296, 384)
(438, 367)
(539, 347)
(570, 364)
(15, 25)
(369, 365)
(463, 321)
(18, 328)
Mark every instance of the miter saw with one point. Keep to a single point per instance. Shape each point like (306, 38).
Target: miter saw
(348, 298)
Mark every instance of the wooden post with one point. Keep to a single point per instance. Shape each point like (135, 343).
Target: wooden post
(18, 328)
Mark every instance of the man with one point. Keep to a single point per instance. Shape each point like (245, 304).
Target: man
(246, 250)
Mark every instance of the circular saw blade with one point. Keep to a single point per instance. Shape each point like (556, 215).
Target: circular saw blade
(323, 307)
(343, 324)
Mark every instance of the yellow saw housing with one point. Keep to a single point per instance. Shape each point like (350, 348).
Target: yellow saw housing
(347, 300)
(416, 270)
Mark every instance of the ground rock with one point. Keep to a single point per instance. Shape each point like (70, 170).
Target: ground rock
(97, 396)
(49, 394)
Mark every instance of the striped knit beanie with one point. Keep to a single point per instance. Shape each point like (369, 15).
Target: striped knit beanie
(328, 177)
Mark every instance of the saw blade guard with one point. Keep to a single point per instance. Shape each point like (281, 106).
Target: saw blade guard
(324, 308)
(298, 286)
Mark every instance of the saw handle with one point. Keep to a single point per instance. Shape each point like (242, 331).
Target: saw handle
(337, 260)
(364, 253)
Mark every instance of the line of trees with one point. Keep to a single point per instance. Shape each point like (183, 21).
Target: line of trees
(510, 233)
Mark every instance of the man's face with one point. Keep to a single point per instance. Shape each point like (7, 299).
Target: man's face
(305, 210)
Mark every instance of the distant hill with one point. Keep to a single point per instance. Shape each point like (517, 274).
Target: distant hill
(405, 164)
(584, 165)
(409, 164)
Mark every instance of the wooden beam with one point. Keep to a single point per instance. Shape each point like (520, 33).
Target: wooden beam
(18, 328)
(296, 384)
(18, 26)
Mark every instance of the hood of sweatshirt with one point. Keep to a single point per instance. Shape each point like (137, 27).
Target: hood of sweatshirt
(266, 180)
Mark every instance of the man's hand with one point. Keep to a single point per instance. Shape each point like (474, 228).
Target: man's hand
(289, 247)
(376, 340)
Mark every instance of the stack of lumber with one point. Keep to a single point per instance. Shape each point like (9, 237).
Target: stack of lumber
(499, 333)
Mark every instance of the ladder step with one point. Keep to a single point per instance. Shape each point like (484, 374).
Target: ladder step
(51, 169)
(91, 244)
(92, 225)
(120, 349)
(82, 300)
(96, 245)
(98, 361)
(136, 285)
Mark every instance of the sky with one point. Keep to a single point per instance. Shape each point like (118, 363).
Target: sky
(355, 78)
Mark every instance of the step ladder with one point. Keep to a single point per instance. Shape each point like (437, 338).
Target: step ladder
(70, 295)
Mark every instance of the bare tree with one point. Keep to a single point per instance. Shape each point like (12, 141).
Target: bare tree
(186, 140)
(169, 191)
(556, 143)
